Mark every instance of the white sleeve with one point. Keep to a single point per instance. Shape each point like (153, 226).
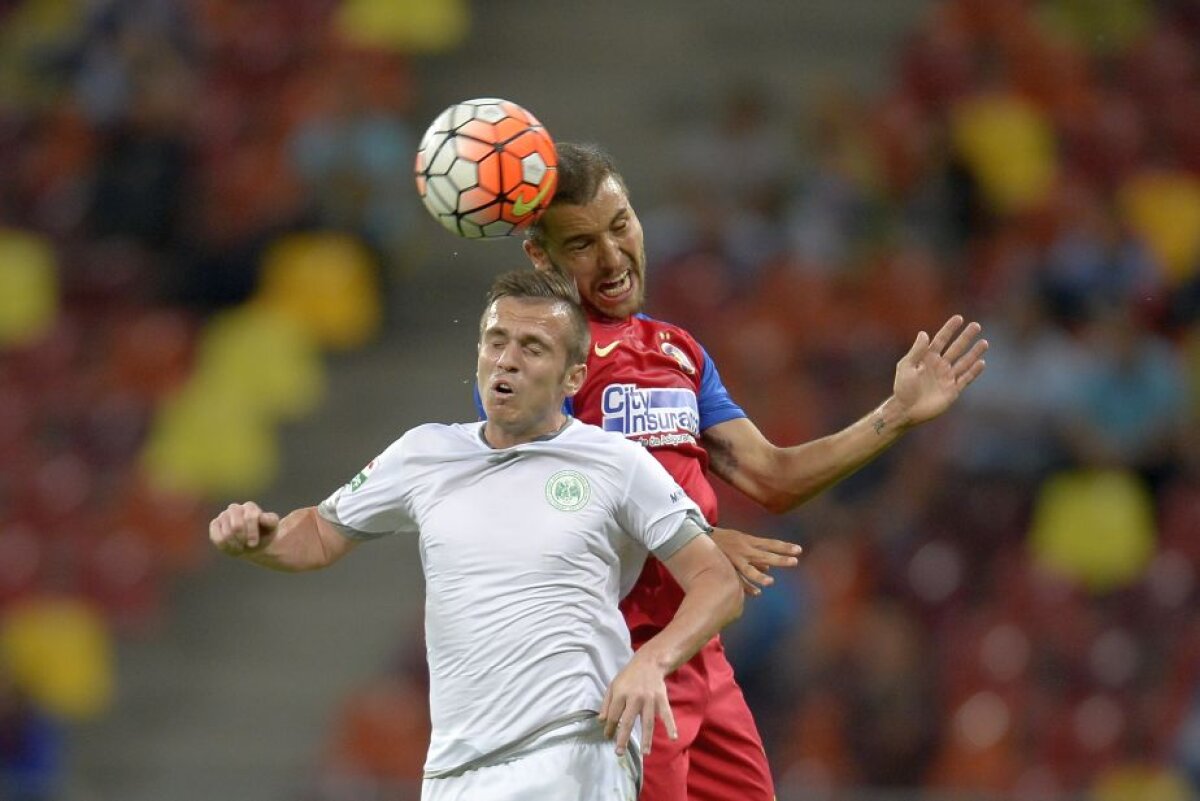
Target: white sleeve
(375, 502)
(655, 510)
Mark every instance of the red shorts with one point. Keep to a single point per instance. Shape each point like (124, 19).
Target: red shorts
(719, 755)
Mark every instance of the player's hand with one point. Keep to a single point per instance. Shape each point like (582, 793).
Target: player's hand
(753, 557)
(935, 371)
(243, 528)
(638, 691)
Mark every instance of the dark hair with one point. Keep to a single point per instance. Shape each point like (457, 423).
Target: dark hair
(552, 286)
(581, 170)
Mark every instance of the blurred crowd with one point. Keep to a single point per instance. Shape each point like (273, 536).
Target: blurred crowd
(195, 196)
(1003, 604)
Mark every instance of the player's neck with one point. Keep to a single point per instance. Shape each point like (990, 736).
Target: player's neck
(498, 436)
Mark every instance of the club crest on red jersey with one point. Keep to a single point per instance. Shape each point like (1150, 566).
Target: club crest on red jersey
(678, 355)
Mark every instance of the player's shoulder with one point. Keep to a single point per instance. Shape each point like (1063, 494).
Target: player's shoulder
(437, 437)
(658, 324)
(610, 446)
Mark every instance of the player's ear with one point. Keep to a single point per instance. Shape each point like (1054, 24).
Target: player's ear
(576, 373)
(537, 255)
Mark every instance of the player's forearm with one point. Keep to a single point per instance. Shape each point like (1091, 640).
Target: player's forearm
(807, 470)
(296, 546)
(713, 601)
(781, 478)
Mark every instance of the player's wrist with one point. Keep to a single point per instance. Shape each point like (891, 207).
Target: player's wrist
(891, 418)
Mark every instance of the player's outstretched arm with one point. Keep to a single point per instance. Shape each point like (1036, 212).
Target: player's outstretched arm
(301, 541)
(753, 557)
(929, 379)
(712, 599)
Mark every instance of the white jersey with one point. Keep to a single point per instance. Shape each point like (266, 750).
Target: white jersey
(526, 551)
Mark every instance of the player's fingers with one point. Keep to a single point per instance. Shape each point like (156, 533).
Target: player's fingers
(963, 341)
(250, 527)
(919, 346)
(604, 707)
(268, 522)
(974, 372)
(946, 333)
(647, 729)
(612, 724)
(755, 576)
(668, 717)
(748, 588)
(221, 535)
(624, 729)
(965, 363)
(776, 553)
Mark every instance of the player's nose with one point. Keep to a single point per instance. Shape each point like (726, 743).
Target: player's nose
(610, 253)
(507, 359)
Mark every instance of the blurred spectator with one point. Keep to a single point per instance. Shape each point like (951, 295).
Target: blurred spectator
(1130, 404)
(355, 156)
(31, 746)
(1014, 425)
(380, 737)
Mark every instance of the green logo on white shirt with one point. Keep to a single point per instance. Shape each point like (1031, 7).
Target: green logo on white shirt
(568, 490)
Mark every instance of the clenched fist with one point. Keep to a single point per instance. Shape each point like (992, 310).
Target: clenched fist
(243, 528)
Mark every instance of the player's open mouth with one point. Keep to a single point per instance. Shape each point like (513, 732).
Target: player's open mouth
(617, 288)
(502, 388)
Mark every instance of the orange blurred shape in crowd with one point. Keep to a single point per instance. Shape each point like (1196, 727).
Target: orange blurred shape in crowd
(383, 730)
(152, 351)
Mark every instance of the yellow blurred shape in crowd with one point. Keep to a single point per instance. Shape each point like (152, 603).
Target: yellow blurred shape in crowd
(59, 651)
(255, 367)
(30, 28)
(1102, 26)
(1095, 526)
(1009, 147)
(409, 26)
(207, 440)
(328, 284)
(1140, 782)
(1163, 207)
(264, 358)
(28, 287)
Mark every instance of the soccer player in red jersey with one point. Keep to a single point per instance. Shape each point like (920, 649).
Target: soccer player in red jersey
(653, 382)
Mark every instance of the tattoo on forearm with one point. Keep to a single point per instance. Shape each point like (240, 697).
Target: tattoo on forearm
(878, 426)
(721, 459)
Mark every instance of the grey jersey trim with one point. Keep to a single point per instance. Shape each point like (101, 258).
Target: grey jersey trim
(327, 510)
(692, 526)
(571, 726)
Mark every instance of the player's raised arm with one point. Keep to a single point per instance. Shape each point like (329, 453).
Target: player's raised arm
(302, 540)
(929, 379)
(712, 600)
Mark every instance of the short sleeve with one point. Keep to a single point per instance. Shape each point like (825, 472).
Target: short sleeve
(374, 503)
(654, 509)
(716, 406)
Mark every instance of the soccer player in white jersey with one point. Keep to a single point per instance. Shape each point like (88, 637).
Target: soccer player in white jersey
(531, 528)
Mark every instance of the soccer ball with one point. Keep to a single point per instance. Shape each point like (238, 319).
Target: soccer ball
(486, 168)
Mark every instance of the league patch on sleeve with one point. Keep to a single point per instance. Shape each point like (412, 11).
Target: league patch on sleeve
(362, 476)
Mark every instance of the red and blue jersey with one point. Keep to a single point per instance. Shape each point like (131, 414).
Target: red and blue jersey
(652, 382)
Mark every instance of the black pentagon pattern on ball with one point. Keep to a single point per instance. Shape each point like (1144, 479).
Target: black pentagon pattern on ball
(466, 181)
